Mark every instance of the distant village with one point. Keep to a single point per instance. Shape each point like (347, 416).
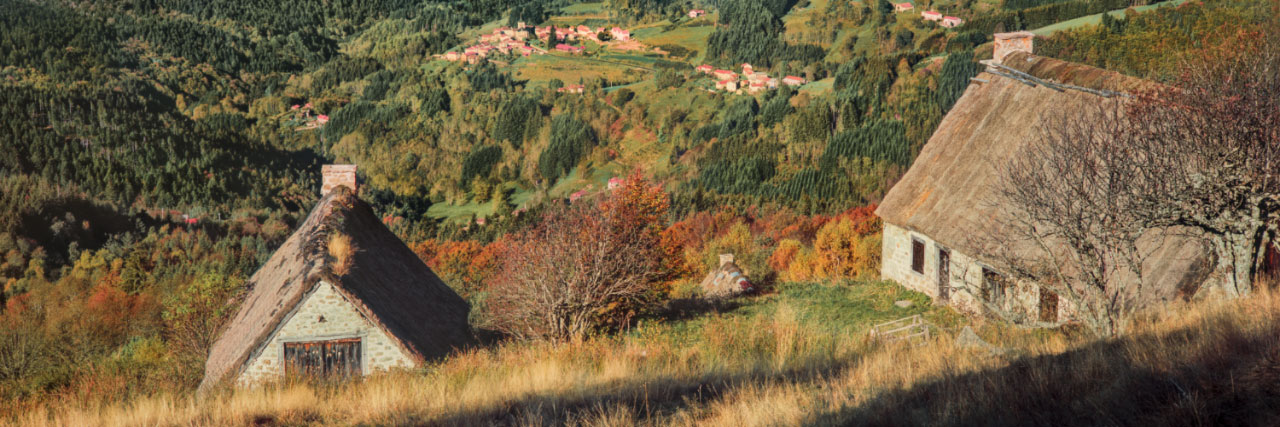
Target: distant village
(750, 82)
(929, 15)
(508, 41)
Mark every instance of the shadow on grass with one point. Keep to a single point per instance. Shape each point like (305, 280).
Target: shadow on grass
(1229, 379)
(689, 308)
(649, 399)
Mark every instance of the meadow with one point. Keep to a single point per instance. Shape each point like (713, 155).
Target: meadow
(795, 355)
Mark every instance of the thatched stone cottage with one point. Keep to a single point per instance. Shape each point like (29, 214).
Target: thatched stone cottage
(932, 215)
(343, 296)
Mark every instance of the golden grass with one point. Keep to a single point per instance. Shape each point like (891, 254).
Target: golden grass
(1186, 364)
(343, 252)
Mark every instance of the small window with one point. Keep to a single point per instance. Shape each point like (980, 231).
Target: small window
(994, 286)
(917, 256)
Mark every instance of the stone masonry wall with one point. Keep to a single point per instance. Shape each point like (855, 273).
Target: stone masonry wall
(341, 320)
(966, 275)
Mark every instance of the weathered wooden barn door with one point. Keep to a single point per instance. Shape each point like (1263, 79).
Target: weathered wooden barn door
(330, 358)
(944, 274)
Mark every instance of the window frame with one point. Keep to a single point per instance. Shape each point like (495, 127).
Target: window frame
(919, 255)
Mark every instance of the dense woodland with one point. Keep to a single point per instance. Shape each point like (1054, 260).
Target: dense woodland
(153, 153)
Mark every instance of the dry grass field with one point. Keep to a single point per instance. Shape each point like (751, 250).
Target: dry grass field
(796, 357)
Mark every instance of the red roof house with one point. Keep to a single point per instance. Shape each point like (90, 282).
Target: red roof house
(951, 21)
(570, 49)
(903, 7)
(931, 15)
(793, 81)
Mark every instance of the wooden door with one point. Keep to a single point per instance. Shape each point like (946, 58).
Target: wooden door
(944, 274)
(323, 359)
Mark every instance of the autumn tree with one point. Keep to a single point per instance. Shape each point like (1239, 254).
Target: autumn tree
(583, 266)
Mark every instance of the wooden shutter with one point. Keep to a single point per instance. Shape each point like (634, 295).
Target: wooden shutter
(330, 358)
(917, 256)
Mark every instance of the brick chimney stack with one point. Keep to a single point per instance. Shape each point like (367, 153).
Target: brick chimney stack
(725, 259)
(336, 175)
(1007, 43)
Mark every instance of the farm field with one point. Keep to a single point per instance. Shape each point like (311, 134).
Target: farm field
(1097, 18)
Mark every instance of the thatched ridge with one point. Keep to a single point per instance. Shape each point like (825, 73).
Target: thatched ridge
(386, 281)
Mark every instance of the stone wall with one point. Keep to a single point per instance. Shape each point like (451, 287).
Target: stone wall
(341, 320)
(966, 275)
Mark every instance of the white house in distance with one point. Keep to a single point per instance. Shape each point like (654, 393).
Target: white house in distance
(940, 221)
(903, 7)
(620, 34)
(342, 297)
(793, 80)
(951, 21)
(930, 15)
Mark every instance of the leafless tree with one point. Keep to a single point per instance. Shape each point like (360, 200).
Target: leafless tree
(557, 277)
(1070, 220)
(1086, 205)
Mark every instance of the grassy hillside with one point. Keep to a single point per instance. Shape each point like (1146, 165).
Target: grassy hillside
(1095, 19)
(798, 356)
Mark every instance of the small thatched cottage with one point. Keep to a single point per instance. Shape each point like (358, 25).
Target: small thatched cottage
(932, 215)
(726, 281)
(342, 297)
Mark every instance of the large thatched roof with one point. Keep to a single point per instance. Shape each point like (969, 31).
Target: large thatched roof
(948, 191)
(384, 279)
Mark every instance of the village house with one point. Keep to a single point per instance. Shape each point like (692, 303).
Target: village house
(343, 297)
(620, 34)
(746, 69)
(951, 21)
(793, 80)
(696, 13)
(755, 87)
(724, 74)
(704, 68)
(578, 194)
(727, 85)
(902, 7)
(941, 224)
(570, 49)
(930, 15)
(574, 88)
(567, 34)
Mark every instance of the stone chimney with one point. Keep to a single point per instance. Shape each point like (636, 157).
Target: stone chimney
(725, 259)
(336, 175)
(1007, 43)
